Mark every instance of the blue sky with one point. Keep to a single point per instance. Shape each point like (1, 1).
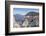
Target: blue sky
(24, 11)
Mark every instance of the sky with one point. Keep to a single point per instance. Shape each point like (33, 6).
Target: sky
(24, 11)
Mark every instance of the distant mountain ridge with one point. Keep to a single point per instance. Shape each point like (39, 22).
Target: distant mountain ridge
(19, 17)
(32, 14)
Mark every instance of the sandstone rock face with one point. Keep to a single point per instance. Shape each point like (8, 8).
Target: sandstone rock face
(32, 22)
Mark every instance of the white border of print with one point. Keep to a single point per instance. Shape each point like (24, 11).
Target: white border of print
(25, 29)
